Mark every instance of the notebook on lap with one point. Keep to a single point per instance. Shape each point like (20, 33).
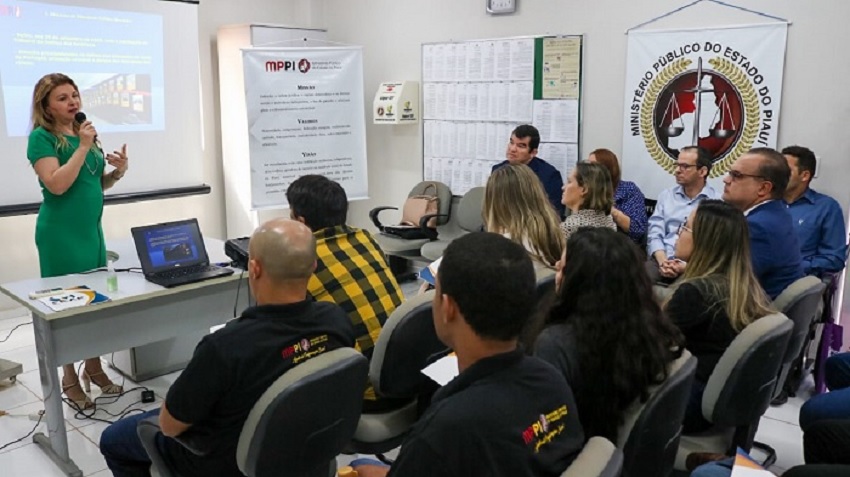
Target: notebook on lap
(173, 253)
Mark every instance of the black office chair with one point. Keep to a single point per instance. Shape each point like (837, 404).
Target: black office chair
(407, 340)
(650, 435)
(299, 424)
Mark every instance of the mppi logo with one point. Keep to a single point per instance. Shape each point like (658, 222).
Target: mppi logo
(302, 65)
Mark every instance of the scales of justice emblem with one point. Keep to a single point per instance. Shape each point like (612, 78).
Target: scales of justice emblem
(715, 109)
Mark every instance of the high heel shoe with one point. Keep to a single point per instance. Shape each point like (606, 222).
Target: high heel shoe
(80, 404)
(106, 388)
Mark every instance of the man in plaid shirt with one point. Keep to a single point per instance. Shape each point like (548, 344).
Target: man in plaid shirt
(351, 270)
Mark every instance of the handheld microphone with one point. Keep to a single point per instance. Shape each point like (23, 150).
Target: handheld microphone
(80, 117)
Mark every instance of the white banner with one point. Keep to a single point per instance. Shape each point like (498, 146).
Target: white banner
(718, 88)
(305, 116)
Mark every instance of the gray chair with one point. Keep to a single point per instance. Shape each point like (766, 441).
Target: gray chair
(321, 398)
(398, 250)
(799, 302)
(598, 458)
(739, 390)
(464, 219)
(649, 436)
(407, 340)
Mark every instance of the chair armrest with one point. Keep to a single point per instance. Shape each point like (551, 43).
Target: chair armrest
(423, 224)
(373, 214)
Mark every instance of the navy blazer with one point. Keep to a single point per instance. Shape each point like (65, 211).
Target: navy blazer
(774, 247)
(551, 179)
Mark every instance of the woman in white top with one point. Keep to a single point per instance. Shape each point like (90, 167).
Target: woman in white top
(589, 194)
(516, 206)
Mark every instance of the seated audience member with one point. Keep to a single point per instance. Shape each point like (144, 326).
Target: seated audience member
(522, 149)
(825, 421)
(350, 270)
(231, 368)
(717, 296)
(505, 414)
(606, 334)
(629, 211)
(516, 206)
(817, 218)
(755, 184)
(588, 194)
(673, 207)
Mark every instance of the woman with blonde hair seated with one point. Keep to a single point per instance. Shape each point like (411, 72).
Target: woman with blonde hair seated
(589, 195)
(516, 206)
(718, 294)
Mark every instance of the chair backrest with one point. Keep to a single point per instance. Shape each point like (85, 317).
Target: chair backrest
(469, 210)
(305, 418)
(598, 458)
(545, 283)
(443, 193)
(649, 206)
(649, 436)
(740, 387)
(799, 302)
(407, 340)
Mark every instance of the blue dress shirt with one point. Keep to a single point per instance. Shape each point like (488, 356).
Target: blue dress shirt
(552, 181)
(629, 200)
(820, 228)
(671, 211)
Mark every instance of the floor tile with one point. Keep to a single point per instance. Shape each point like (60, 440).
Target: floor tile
(20, 337)
(786, 439)
(14, 395)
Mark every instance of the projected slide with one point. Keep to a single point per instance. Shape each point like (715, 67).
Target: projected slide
(115, 57)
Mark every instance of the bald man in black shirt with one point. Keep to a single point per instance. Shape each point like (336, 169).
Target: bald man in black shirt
(208, 404)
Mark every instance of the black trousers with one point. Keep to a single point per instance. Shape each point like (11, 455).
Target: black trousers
(828, 442)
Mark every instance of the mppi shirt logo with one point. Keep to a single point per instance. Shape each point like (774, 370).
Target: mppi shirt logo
(302, 65)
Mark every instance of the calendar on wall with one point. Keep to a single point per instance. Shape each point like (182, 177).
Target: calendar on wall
(474, 93)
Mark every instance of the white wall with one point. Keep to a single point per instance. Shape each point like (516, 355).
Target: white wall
(20, 259)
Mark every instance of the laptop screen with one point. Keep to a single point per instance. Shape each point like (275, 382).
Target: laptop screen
(166, 246)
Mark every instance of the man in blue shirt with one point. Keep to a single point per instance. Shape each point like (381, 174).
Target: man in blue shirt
(817, 218)
(673, 207)
(522, 149)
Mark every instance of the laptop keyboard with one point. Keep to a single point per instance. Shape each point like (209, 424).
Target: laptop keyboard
(183, 271)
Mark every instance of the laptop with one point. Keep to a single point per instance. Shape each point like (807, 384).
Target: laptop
(173, 254)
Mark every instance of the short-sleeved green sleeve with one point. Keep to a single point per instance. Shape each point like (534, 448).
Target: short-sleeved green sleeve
(41, 144)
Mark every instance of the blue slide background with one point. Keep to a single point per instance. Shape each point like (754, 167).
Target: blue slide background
(34, 18)
(180, 234)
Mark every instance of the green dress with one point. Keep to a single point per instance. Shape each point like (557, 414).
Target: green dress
(68, 233)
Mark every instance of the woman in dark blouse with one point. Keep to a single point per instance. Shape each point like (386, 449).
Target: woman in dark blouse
(606, 333)
(718, 295)
(629, 210)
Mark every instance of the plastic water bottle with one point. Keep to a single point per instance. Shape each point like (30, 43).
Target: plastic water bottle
(111, 277)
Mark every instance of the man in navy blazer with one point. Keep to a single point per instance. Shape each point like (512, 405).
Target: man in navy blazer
(756, 184)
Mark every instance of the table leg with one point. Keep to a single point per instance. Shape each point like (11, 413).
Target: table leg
(55, 446)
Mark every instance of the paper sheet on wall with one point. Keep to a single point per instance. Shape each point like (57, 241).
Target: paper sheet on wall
(522, 59)
(521, 100)
(561, 68)
(557, 120)
(473, 61)
(562, 156)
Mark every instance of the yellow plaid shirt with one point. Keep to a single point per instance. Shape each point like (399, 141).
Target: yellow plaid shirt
(351, 272)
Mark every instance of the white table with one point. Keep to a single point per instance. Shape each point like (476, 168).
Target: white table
(139, 313)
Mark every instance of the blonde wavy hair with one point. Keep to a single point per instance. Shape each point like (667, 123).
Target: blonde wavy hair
(597, 180)
(41, 97)
(516, 204)
(720, 266)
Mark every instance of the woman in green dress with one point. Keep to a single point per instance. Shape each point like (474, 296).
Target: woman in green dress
(70, 165)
